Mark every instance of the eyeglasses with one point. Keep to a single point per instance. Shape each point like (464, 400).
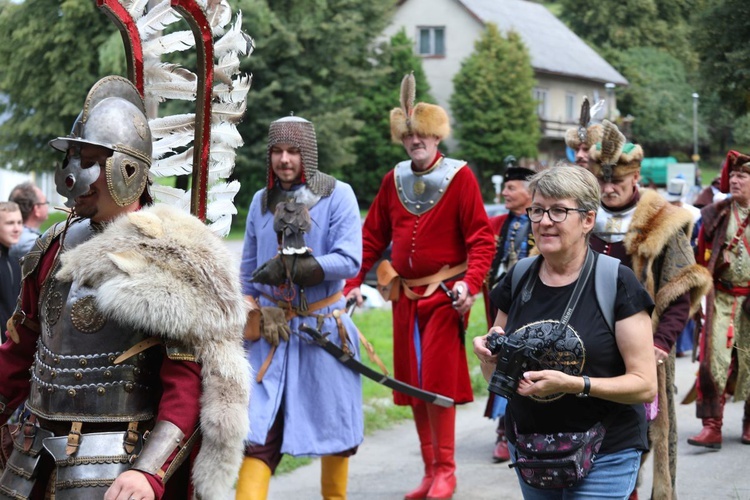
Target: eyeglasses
(555, 214)
(42, 203)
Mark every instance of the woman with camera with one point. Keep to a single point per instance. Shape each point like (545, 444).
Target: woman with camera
(576, 386)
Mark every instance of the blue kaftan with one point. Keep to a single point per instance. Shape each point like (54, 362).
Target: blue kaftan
(322, 399)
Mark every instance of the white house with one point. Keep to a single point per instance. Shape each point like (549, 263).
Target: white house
(566, 68)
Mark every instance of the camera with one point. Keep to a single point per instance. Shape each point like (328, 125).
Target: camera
(514, 357)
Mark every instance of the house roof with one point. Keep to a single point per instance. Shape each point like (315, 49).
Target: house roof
(553, 47)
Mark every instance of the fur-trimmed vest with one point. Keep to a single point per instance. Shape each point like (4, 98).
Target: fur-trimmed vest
(163, 271)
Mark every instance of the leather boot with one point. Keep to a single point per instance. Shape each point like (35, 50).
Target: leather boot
(710, 435)
(428, 455)
(334, 475)
(252, 484)
(501, 453)
(746, 424)
(443, 423)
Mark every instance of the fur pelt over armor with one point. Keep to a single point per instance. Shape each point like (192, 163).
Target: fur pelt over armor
(162, 270)
(658, 238)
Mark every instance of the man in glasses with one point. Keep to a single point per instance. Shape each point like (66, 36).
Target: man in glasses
(34, 210)
(652, 237)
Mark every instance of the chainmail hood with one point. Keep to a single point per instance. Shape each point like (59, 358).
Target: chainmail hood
(301, 133)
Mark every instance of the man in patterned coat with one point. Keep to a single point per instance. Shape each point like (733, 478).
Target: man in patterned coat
(652, 237)
(725, 340)
(432, 210)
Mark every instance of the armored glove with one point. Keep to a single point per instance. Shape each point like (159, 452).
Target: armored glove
(301, 270)
(274, 325)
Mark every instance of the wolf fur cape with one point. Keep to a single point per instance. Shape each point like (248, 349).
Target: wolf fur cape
(662, 258)
(162, 270)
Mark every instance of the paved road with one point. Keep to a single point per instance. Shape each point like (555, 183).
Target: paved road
(388, 463)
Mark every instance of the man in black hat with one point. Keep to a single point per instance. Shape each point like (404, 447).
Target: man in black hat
(512, 231)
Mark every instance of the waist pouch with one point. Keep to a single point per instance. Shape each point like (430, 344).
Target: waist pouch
(558, 460)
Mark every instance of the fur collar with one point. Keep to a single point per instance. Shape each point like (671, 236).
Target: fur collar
(654, 223)
(167, 263)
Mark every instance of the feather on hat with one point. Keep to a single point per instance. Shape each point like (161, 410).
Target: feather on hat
(589, 131)
(613, 156)
(421, 119)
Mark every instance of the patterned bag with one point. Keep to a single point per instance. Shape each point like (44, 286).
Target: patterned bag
(557, 460)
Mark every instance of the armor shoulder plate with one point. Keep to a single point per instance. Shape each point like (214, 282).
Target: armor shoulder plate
(30, 261)
(420, 192)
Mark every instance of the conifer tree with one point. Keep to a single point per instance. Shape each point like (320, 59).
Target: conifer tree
(492, 103)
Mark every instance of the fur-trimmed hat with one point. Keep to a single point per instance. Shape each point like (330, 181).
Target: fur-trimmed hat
(586, 133)
(423, 119)
(734, 161)
(613, 156)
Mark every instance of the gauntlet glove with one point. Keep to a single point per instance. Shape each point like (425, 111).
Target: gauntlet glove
(274, 325)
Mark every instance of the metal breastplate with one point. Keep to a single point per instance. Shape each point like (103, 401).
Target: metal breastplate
(74, 377)
(420, 191)
(612, 226)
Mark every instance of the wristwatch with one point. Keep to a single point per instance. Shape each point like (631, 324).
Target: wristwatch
(586, 388)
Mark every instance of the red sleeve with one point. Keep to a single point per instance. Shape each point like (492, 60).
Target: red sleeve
(180, 405)
(480, 242)
(376, 232)
(671, 322)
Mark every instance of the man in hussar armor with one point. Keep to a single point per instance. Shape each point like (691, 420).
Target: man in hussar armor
(725, 340)
(302, 240)
(123, 310)
(652, 237)
(431, 207)
(588, 132)
(514, 241)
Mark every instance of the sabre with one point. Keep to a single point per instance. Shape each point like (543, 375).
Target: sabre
(354, 365)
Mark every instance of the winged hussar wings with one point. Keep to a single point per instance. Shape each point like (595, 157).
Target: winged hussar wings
(203, 143)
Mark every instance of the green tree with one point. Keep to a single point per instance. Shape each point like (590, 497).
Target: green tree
(722, 37)
(492, 104)
(660, 98)
(376, 154)
(613, 26)
(313, 59)
(50, 60)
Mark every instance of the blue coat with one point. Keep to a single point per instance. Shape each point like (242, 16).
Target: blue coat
(322, 399)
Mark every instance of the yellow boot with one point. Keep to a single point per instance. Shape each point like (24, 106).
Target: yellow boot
(254, 478)
(334, 473)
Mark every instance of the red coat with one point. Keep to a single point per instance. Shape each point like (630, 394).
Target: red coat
(455, 230)
(181, 380)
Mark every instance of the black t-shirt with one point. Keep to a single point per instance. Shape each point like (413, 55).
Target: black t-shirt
(601, 358)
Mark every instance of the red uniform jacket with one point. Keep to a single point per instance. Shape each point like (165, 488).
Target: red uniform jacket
(456, 229)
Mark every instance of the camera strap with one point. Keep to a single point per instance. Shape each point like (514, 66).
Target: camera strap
(583, 278)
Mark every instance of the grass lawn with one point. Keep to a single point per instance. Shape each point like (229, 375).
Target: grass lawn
(379, 410)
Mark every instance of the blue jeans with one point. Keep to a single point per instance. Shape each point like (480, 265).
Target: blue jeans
(612, 476)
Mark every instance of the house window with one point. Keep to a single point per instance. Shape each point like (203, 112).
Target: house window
(540, 96)
(431, 41)
(570, 107)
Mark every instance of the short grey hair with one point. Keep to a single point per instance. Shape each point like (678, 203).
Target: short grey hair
(567, 181)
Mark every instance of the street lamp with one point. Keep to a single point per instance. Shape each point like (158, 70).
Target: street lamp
(610, 98)
(696, 157)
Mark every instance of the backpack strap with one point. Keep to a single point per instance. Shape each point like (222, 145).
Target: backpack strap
(605, 284)
(518, 271)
